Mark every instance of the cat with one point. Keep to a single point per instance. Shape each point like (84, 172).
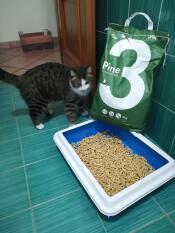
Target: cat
(52, 82)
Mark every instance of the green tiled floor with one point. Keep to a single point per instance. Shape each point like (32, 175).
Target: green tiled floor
(10, 156)
(134, 217)
(20, 223)
(70, 213)
(40, 194)
(160, 226)
(13, 192)
(44, 147)
(8, 130)
(49, 179)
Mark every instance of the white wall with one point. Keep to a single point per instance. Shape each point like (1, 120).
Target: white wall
(26, 16)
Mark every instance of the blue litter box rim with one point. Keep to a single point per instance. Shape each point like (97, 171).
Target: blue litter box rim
(128, 139)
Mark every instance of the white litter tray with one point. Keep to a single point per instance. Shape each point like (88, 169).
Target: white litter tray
(163, 164)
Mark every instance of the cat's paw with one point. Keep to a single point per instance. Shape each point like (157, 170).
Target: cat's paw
(39, 126)
(84, 113)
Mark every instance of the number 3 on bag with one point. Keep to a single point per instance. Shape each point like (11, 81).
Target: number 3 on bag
(137, 86)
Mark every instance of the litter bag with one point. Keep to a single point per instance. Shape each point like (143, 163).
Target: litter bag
(126, 75)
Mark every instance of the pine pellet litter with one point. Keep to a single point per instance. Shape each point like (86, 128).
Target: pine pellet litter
(114, 166)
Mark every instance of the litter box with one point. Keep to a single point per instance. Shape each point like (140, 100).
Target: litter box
(163, 164)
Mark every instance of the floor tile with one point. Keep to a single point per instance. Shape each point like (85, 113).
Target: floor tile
(26, 126)
(72, 213)
(164, 84)
(141, 213)
(10, 156)
(14, 90)
(55, 56)
(37, 54)
(172, 216)
(62, 121)
(20, 71)
(19, 62)
(165, 196)
(8, 130)
(5, 89)
(82, 119)
(7, 113)
(167, 18)
(34, 64)
(11, 51)
(152, 8)
(20, 223)
(8, 69)
(13, 195)
(6, 102)
(4, 57)
(161, 226)
(101, 16)
(49, 179)
(172, 152)
(118, 13)
(19, 102)
(39, 146)
(161, 125)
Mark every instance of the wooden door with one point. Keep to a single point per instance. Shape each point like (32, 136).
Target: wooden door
(76, 22)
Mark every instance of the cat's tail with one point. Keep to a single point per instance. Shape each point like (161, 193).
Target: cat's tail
(9, 78)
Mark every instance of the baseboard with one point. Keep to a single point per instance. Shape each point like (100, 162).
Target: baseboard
(17, 43)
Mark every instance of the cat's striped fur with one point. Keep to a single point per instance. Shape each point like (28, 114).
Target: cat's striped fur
(49, 82)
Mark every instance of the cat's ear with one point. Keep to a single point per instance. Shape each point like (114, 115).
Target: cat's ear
(72, 73)
(89, 70)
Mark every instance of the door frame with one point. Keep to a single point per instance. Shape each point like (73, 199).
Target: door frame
(89, 42)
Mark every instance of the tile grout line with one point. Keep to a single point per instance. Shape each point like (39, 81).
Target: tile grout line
(173, 141)
(147, 224)
(160, 11)
(55, 198)
(44, 131)
(164, 212)
(56, 123)
(29, 164)
(170, 55)
(107, 16)
(28, 135)
(171, 212)
(163, 106)
(37, 205)
(14, 214)
(41, 160)
(26, 178)
(101, 221)
(30, 63)
(129, 4)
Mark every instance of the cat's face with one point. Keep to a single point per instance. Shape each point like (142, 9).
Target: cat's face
(81, 80)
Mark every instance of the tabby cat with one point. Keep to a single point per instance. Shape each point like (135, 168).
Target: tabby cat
(52, 82)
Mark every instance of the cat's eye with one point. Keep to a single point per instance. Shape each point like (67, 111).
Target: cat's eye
(87, 82)
(77, 84)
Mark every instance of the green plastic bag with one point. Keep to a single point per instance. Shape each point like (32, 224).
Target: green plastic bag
(126, 75)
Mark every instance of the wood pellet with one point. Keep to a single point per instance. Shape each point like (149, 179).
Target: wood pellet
(114, 166)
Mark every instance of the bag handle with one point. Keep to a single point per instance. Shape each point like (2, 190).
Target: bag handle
(150, 22)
